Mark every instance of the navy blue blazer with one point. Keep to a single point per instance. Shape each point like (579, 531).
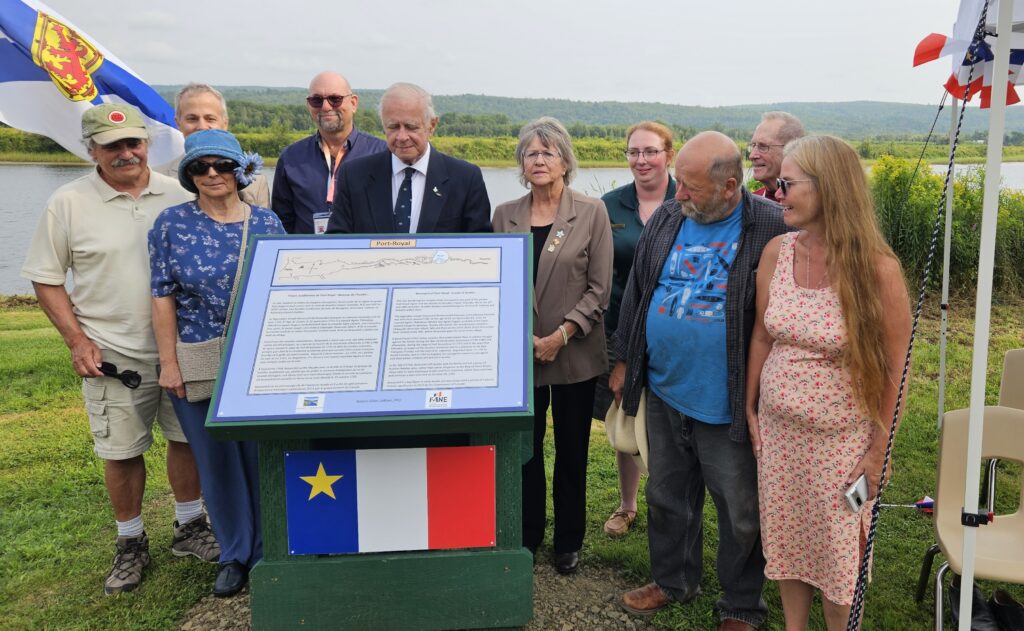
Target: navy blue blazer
(454, 198)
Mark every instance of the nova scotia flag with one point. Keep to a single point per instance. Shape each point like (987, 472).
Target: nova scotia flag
(51, 72)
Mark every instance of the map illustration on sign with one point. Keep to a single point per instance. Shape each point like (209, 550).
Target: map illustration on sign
(388, 266)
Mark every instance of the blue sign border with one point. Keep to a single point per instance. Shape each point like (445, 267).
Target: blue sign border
(232, 405)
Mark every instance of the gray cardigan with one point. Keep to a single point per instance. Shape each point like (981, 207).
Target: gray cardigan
(762, 220)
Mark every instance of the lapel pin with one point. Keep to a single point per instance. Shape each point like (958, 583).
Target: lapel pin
(560, 234)
(436, 192)
(557, 241)
(551, 248)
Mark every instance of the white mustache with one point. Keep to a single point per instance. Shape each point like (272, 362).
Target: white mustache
(123, 163)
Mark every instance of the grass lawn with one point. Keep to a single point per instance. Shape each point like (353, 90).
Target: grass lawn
(57, 530)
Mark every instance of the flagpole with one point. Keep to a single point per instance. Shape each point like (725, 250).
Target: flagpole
(983, 302)
(946, 247)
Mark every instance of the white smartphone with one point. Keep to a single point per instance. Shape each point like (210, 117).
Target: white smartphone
(857, 494)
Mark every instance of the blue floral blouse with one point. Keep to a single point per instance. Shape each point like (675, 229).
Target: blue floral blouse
(195, 258)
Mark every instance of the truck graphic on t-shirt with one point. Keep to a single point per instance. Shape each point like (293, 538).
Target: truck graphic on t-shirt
(698, 277)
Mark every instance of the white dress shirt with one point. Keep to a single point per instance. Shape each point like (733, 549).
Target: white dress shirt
(419, 182)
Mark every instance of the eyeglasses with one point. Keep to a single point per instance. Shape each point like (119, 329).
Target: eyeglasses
(201, 167)
(533, 156)
(649, 154)
(129, 378)
(761, 147)
(783, 185)
(316, 101)
(119, 146)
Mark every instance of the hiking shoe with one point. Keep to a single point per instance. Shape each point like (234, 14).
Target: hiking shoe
(131, 557)
(195, 538)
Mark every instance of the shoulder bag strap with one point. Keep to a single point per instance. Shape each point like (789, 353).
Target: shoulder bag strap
(238, 270)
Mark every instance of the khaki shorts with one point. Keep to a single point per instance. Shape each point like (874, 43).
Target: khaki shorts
(121, 419)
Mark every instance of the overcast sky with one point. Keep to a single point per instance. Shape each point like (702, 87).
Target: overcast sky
(722, 52)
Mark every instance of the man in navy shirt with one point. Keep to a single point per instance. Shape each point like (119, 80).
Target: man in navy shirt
(304, 180)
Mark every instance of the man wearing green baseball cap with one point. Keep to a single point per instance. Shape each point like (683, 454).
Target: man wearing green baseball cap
(96, 226)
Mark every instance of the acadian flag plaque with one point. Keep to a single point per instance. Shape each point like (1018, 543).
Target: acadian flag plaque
(386, 500)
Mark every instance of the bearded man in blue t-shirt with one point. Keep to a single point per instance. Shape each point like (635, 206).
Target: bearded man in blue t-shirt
(684, 329)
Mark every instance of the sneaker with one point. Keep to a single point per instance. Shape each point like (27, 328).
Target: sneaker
(132, 556)
(195, 538)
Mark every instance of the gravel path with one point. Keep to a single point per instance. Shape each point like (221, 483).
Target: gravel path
(586, 601)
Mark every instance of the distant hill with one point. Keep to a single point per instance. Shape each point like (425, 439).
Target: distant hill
(852, 120)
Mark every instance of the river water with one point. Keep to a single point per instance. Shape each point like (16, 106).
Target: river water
(24, 189)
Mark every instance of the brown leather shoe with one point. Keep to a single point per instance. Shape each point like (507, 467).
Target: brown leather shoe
(646, 600)
(619, 522)
(731, 624)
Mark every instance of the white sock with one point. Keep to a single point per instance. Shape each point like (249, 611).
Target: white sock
(131, 528)
(185, 512)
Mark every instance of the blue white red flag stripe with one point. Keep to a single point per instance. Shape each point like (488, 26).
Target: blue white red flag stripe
(384, 500)
(931, 48)
(471, 470)
(51, 72)
(973, 59)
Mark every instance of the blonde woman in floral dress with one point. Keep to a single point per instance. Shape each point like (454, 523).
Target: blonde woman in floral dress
(832, 327)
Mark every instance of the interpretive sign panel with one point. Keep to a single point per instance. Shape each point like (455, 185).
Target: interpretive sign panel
(343, 326)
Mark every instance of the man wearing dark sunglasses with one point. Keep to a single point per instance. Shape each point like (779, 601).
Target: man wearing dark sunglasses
(304, 178)
(96, 226)
(765, 148)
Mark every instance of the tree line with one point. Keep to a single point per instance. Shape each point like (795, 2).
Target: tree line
(854, 120)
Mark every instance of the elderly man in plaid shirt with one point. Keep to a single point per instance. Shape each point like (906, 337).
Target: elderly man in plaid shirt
(683, 334)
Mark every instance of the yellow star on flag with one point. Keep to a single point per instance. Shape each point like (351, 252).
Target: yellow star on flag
(321, 483)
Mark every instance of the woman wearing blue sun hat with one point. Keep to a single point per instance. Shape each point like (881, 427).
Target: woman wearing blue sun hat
(196, 251)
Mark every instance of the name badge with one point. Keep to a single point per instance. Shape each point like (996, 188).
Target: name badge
(320, 222)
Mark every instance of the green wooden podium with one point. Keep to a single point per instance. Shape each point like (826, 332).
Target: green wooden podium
(446, 589)
(490, 587)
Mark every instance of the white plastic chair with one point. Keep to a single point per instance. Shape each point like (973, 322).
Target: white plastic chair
(999, 551)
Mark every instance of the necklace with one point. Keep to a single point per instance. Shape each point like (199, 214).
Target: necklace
(807, 271)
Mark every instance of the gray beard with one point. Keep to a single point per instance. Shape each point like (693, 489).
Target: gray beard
(705, 216)
(330, 125)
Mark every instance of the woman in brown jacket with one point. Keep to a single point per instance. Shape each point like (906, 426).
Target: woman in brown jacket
(572, 268)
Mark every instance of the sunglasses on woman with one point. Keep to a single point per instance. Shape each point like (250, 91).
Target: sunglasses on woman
(784, 184)
(201, 167)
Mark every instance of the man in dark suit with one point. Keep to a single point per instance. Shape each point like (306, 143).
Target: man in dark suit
(413, 187)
